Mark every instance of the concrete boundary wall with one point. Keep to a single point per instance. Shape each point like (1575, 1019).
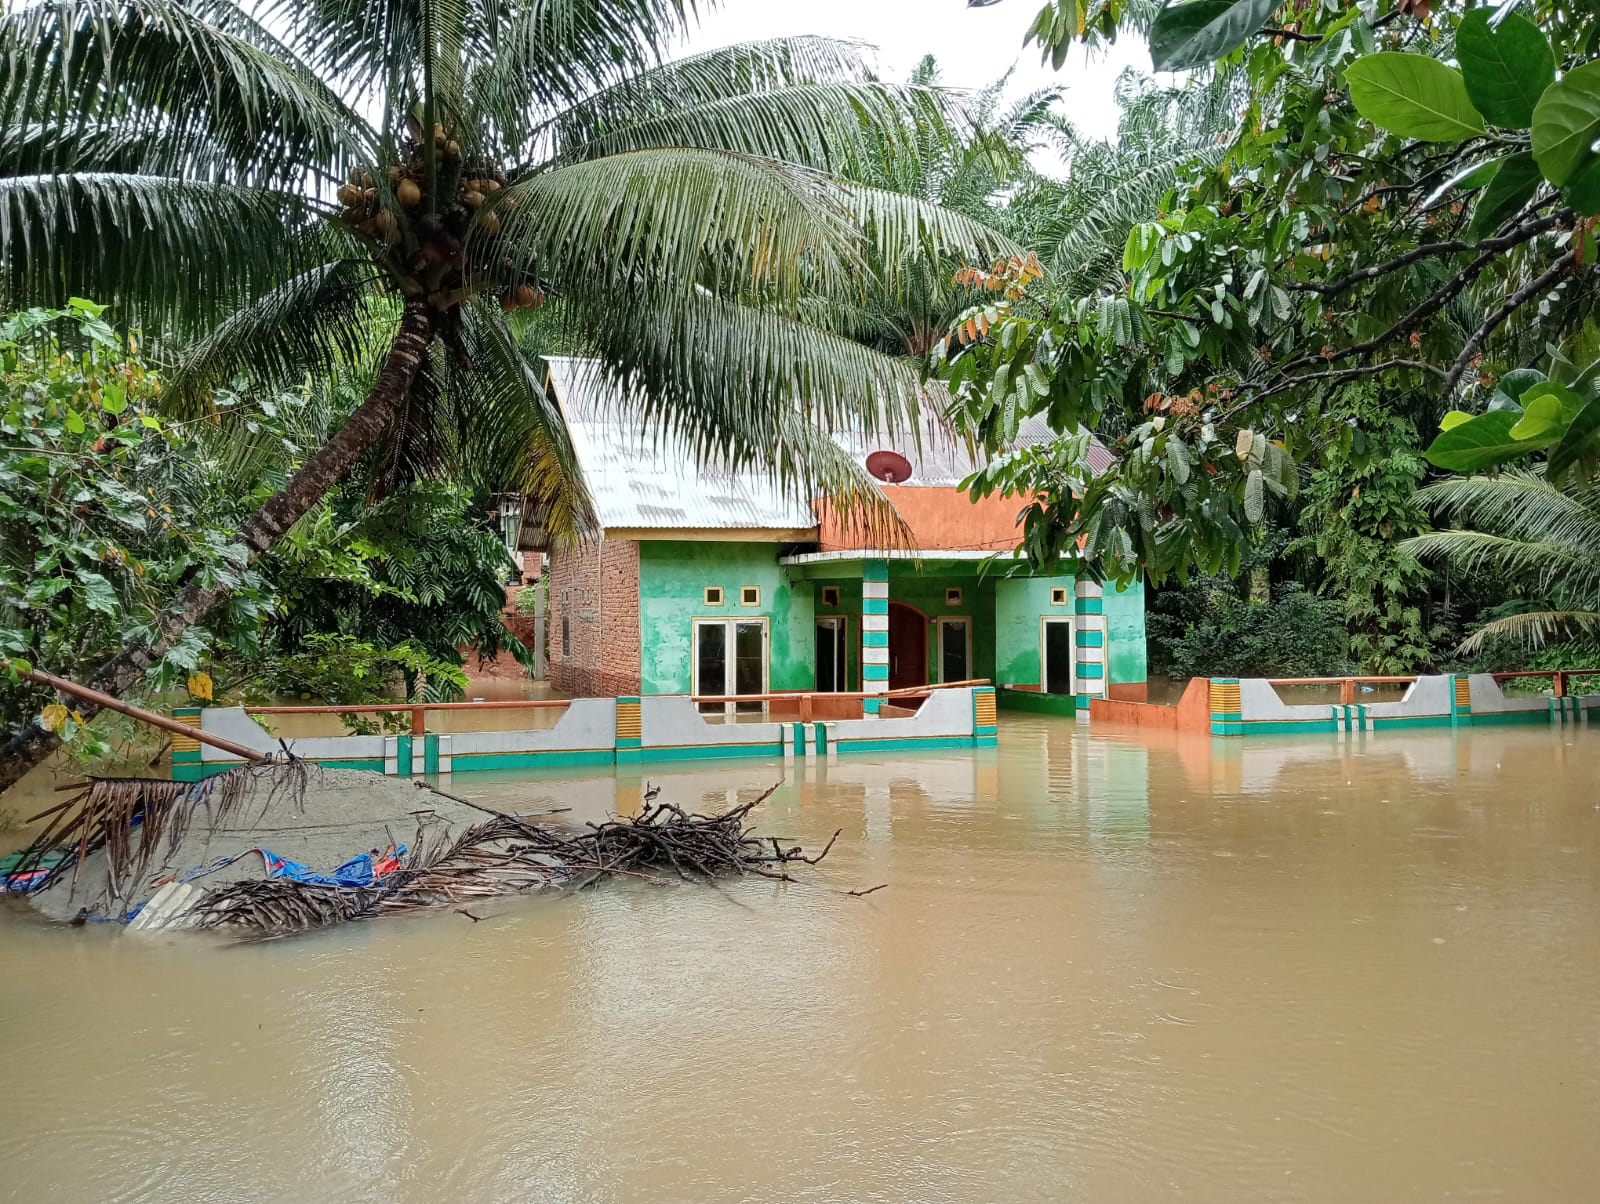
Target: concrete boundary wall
(603, 731)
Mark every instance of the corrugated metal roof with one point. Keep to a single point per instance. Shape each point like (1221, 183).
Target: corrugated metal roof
(641, 481)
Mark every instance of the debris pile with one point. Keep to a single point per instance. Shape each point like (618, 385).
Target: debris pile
(236, 852)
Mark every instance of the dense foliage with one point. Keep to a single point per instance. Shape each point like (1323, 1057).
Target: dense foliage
(106, 510)
(1212, 629)
(1345, 238)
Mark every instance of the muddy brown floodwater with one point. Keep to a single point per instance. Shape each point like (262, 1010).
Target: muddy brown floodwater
(1104, 969)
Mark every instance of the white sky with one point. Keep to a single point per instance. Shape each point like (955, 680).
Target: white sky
(974, 46)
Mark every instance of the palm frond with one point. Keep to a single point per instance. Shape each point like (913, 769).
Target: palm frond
(200, 70)
(172, 252)
(1534, 629)
(517, 440)
(1543, 566)
(723, 375)
(311, 325)
(680, 217)
(1520, 505)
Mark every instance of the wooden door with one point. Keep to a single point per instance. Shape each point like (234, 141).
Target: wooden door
(908, 646)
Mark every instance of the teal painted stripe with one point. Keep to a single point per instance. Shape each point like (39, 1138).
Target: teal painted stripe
(191, 772)
(1091, 639)
(1258, 727)
(1379, 721)
(874, 570)
(470, 762)
(180, 758)
(1480, 718)
(713, 752)
(905, 743)
(874, 639)
(629, 742)
(1086, 669)
(402, 756)
(375, 764)
(1226, 729)
(985, 741)
(983, 729)
(1089, 606)
(430, 754)
(875, 672)
(874, 606)
(1226, 716)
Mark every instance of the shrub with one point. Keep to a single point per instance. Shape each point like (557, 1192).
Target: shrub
(1208, 630)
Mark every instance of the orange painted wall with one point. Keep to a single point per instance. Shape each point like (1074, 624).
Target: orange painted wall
(1192, 714)
(940, 519)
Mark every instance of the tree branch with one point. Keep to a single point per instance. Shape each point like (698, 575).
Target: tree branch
(1428, 251)
(1510, 306)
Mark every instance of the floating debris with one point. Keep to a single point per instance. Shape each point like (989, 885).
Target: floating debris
(236, 852)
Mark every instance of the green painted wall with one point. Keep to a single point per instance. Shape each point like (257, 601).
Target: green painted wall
(1125, 652)
(673, 577)
(1019, 604)
(850, 607)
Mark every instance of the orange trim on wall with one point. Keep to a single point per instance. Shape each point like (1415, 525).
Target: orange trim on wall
(1129, 691)
(939, 519)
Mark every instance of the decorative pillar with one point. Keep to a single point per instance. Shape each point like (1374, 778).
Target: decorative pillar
(1089, 634)
(874, 633)
(186, 755)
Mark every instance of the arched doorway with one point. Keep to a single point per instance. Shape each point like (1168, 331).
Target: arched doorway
(908, 646)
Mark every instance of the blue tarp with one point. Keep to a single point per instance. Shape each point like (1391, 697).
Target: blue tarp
(355, 872)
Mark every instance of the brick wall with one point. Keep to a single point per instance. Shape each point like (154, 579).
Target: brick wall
(595, 591)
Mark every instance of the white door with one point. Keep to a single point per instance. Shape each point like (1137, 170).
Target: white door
(730, 657)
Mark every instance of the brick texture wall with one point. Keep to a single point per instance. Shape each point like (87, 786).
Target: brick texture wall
(594, 593)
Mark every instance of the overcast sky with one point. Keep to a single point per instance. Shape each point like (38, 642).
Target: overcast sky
(974, 46)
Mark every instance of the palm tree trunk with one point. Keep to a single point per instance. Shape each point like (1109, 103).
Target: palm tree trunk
(325, 469)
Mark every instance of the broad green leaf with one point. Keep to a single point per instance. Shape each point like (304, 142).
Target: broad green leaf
(1515, 383)
(1513, 187)
(113, 397)
(1482, 442)
(1579, 442)
(75, 422)
(1507, 67)
(1255, 496)
(1414, 96)
(1582, 191)
(1455, 418)
(1565, 123)
(98, 593)
(1541, 415)
(1194, 34)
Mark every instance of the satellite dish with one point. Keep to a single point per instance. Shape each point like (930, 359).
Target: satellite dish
(889, 467)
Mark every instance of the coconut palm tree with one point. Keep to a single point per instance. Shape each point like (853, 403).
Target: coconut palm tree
(1537, 538)
(287, 180)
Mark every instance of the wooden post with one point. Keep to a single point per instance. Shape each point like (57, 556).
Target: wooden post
(1561, 683)
(1347, 690)
(805, 708)
(419, 720)
(106, 702)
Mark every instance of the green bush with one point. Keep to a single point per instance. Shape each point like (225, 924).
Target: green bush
(1208, 630)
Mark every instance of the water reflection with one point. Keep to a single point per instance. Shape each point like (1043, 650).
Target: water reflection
(1107, 966)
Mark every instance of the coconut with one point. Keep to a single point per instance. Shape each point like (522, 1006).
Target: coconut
(490, 222)
(408, 194)
(349, 195)
(473, 199)
(385, 222)
(453, 149)
(526, 295)
(491, 185)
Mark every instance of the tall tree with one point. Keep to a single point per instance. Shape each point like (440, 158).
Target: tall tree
(282, 178)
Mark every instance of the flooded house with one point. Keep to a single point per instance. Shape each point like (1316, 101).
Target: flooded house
(722, 583)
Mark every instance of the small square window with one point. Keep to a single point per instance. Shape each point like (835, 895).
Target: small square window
(952, 596)
(750, 595)
(713, 595)
(1058, 596)
(830, 595)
